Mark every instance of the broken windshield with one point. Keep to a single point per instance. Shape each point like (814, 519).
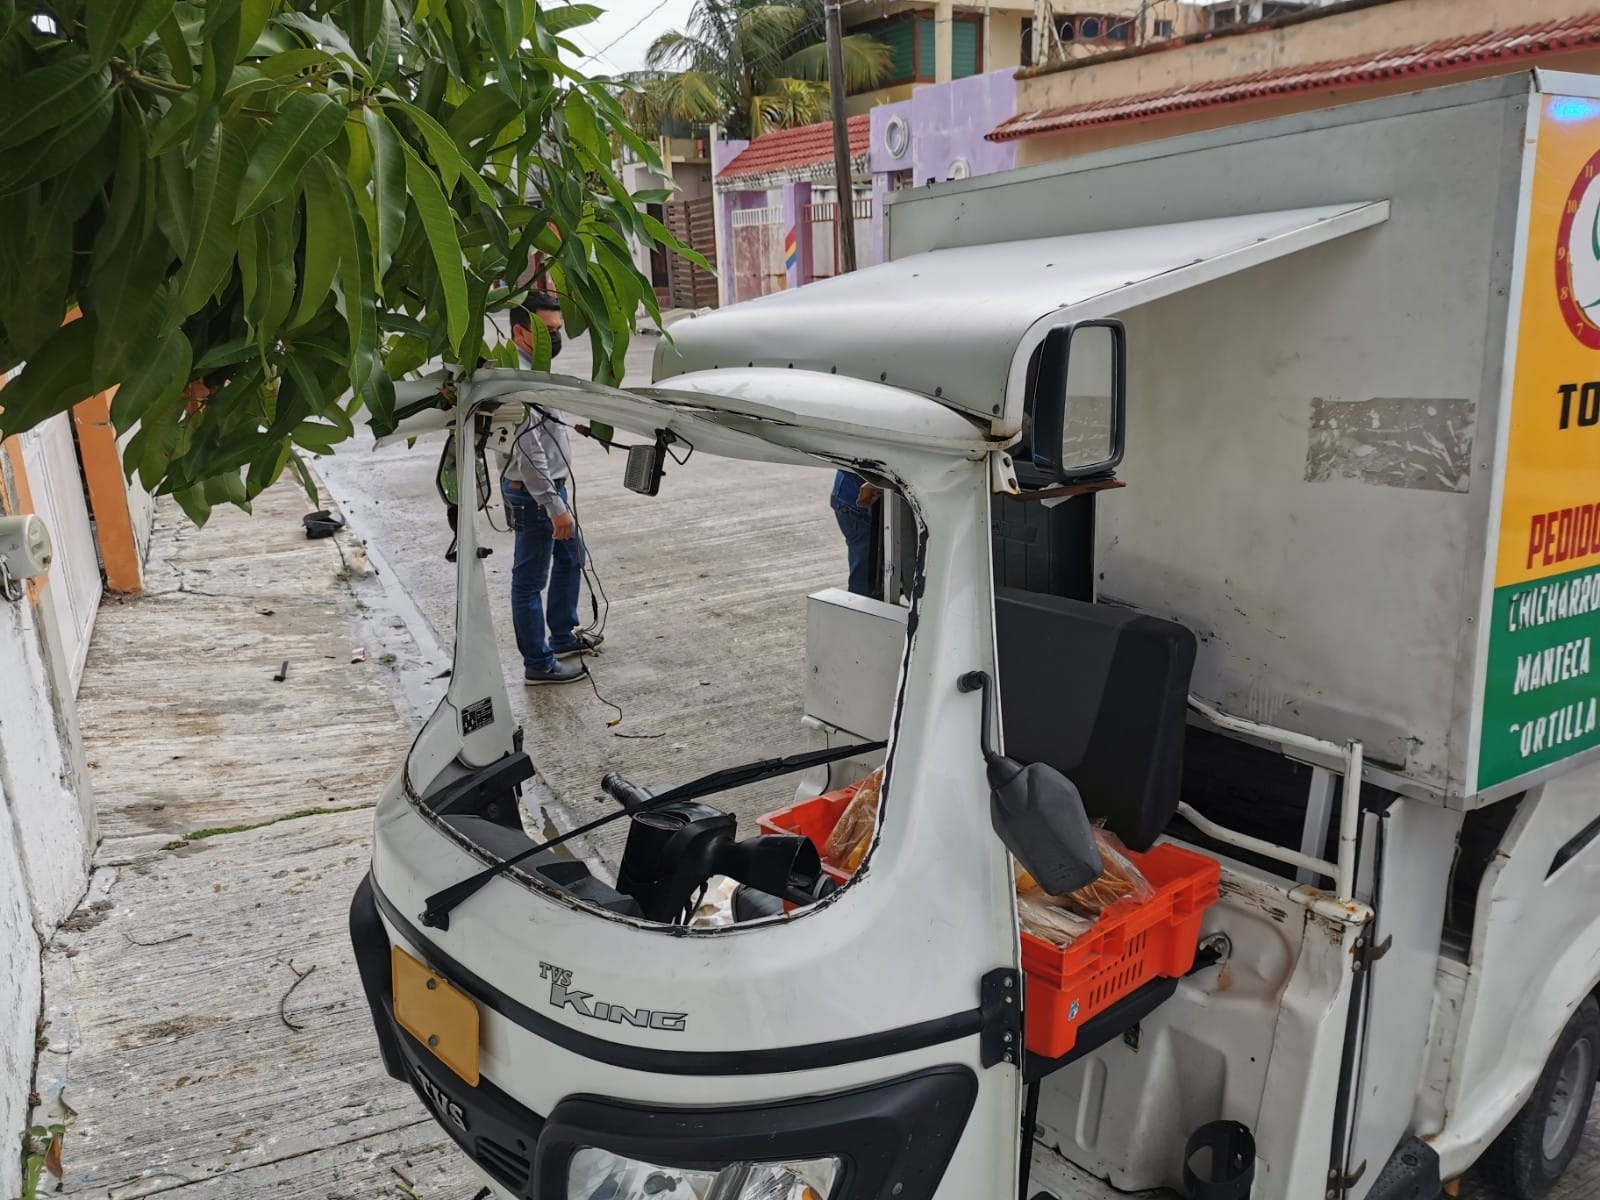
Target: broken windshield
(695, 626)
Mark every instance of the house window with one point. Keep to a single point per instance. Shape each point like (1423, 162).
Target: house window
(1119, 31)
(1089, 28)
(909, 38)
(966, 50)
(1163, 29)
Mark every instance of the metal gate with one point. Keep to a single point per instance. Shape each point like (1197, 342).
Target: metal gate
(692, 222)
(822, 217)
(50, 459)
(758, 258)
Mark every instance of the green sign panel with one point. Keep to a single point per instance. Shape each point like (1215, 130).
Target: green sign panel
(1542, 700)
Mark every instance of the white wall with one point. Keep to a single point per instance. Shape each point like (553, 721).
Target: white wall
(46, 836)
(36, 771)
(19, 1001)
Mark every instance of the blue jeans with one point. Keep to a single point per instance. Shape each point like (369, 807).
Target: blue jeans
(856, 525)
(531, 567)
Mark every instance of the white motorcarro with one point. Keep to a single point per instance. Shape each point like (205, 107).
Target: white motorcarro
(1331, 624)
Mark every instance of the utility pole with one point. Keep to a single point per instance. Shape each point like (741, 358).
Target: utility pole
(844, 214)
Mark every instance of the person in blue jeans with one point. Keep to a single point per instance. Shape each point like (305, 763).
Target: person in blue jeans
(853, 501)
(549, 548)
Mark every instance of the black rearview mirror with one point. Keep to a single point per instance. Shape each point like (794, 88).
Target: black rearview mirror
(1037, 813)
(1080, 401)
(646, 464)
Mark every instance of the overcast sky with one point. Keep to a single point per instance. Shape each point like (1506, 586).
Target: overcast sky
(620, 37)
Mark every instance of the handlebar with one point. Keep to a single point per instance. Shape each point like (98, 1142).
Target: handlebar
(629, 795)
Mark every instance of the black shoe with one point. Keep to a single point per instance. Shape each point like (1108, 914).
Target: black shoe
(559, 673)
(582, 643)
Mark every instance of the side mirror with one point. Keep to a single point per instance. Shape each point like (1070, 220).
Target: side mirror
(1037, 812)
(1039, 815)
(1080, 401)
(647, 462)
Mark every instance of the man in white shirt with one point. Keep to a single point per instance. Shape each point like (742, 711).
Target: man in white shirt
(549, 547)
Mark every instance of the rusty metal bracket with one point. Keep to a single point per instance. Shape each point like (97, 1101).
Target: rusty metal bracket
(1367, 953)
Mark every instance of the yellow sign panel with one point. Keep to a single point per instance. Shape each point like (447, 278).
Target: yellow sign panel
(1542, 702)
(438, 1015)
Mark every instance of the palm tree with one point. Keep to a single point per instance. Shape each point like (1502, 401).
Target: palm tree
(752, 65)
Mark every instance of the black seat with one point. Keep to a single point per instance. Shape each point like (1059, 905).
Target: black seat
(1099, 693)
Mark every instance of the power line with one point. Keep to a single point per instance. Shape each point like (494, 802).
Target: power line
(601, 52)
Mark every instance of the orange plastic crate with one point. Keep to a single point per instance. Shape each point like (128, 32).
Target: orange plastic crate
(1130, 944)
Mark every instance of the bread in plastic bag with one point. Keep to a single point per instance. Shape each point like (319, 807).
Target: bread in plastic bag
(1045, 920)
(1119, 880)
(852, 833)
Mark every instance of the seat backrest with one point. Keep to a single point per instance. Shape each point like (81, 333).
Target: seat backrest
(1100, 693)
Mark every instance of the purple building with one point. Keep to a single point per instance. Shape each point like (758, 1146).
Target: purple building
(778, 211)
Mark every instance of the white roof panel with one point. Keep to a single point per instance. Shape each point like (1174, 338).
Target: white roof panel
(962, 323)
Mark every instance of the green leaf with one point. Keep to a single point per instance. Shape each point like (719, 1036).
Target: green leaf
(129, 305)
(195, 503)
(226, 488)
(153, 444)
(177, 48)
(384, 54)
(54, 378)
(326, 35)
(307, 480)
(177, 124)
(438, 222)
(484, 114)
(543, 347)
(267, 469)
(282, 222)
(52, 153)
(388, 188)
(355, 276)
(219, 53)
(491, 17)
(146, 21)
(291, 62)
(217, 14)
(321, 247)
(570, 16)
(130, 179)
(446, 155)
(213, 236)
(107, 21)
(175, 208)
(581, 124)
(160, 372)
(405, 355)
(50, 96)
(306, 124)
(318, 436)
(253, 17)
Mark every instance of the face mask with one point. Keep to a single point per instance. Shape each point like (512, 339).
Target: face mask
(555, 349)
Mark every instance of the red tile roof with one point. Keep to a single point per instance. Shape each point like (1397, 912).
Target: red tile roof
(794, 149)
(1429, 58)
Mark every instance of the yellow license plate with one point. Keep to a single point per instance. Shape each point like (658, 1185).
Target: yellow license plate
(440, 1016)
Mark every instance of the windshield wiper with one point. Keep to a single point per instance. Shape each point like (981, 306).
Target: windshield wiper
(436, 914)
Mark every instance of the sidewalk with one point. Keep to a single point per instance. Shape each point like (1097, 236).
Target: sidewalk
(206, 1024)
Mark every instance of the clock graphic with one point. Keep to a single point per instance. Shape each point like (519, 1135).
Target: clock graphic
(1578, 256)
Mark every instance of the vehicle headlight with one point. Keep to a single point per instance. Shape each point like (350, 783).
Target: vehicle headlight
(596, 1174)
